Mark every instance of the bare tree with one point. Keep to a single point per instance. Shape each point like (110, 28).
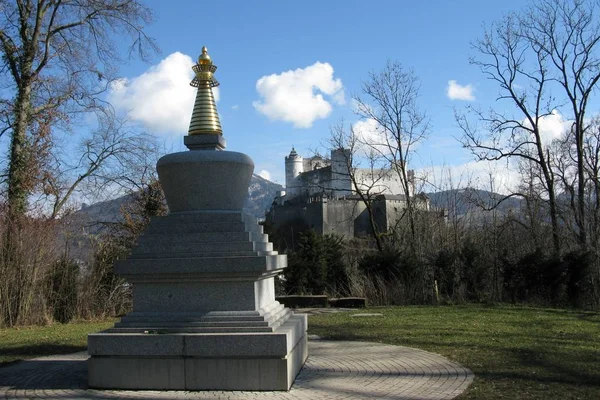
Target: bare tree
(524, 82)
(544, 60)
(591, 153)
(390, 100)
(57, 58)
(567, 33)
(115, 157)
(365, 187)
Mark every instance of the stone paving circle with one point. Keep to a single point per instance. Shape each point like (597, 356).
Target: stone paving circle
(334, 370)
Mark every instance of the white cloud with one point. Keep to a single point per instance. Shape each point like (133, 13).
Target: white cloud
(161, 98)
(454, 91)
(372, 135)
(497, 176)
(297, 96)
(369, 131)
(235, 107)
(265, 174)
(553, 126)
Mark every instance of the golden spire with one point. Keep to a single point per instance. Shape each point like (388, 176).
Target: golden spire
(205, 119)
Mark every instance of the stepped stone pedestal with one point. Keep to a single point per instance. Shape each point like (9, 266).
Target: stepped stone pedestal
(204, 311)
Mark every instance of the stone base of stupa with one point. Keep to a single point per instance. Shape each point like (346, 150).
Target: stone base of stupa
(199, 361)
(205, 315)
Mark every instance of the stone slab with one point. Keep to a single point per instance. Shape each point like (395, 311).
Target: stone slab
(202, 292)
(199, 237)
(188, 227)
(136, 344)
(204, 142)
(199, 265)
(275, 344)
(206, 247)
(253, 361)
(136, 373)
(195, 373)
(204, 216)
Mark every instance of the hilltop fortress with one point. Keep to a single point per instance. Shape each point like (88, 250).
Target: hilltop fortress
(321, 195)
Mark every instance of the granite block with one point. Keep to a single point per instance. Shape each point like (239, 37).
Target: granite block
(193, 227)
(200, 237)
(201, 265)
(116, 344)
(204, 142)
(136, 373)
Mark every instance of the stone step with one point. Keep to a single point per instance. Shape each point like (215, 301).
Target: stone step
(191, 324)
(201, 217)
(198, 227)
(212, 254)
(273, 310)
(158, 329)
(203, 237)
(202, 265)
(247, 224)
(268, 323)
(176, 247)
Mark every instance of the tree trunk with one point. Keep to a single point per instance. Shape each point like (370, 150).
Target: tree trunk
(580, 212)
(17, 207)
(17, 172)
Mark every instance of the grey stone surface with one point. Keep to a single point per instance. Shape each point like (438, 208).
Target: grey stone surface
(334, 370)
(196, 296)
(181, 228)
(225, 361)
(200, 237)
(273, 343)
(236, 374)
(206, 258)
(199, 248)
(126, 373)
(204, 142)
(200, 305)
(201, 216)
(201, 265)
(205, 180)
(135, 344)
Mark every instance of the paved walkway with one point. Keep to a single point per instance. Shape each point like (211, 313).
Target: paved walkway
(334, 370)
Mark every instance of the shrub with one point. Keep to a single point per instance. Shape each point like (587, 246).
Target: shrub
(62, 293)
(316, 266)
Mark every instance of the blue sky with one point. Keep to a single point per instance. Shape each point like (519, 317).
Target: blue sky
(328, 47)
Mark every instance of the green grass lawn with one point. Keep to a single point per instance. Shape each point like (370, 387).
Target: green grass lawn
(34, 341)
(515, 352)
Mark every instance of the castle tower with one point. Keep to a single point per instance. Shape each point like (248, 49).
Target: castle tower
(293, 168)
(340, 178)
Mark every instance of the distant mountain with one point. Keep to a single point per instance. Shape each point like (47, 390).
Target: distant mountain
(461, 202)
(260, 196)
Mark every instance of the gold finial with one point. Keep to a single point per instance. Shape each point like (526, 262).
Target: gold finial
(205, 118)
(204, 58)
